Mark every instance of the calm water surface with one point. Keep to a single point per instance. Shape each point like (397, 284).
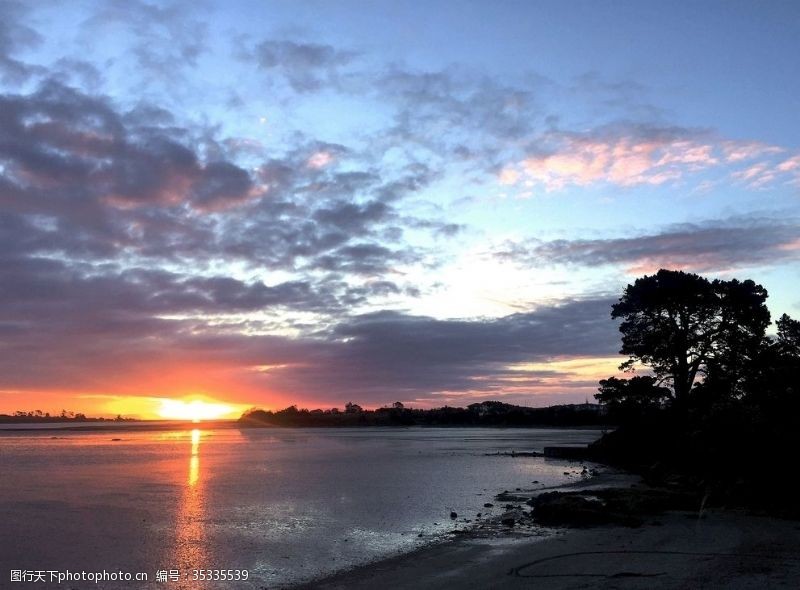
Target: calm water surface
(285, 505)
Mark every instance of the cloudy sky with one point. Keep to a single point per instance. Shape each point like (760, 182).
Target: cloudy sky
(265, 203)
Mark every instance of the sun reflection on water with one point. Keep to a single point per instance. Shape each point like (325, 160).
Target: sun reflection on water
(190, 549)
(194, 460)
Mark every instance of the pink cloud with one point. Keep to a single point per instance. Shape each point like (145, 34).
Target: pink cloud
(625, 161)
(632, 159)
(735, 151)
(790, 165)
(792, 246)
(765, 174)
(319, 159)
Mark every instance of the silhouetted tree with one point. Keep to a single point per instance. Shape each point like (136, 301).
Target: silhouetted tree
(682, 325)
(788, 335)
(630, 398)
(351, 408)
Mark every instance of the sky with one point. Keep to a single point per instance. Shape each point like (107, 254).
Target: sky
(274, 203)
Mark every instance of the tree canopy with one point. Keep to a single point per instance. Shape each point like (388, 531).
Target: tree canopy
(683, 326)
(729, 421)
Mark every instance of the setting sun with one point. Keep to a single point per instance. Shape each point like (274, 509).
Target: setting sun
(194, 410)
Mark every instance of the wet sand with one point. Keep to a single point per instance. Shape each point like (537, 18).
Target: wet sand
(678, 550)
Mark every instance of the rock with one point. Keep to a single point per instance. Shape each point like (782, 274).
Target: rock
(556, 508)
(624, 506)
(508, 521)
(509, 497)
(573, 453)
(488, 505)
(453, 515)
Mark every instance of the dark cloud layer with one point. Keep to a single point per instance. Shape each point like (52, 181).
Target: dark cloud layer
(702, 247)
(112, 328)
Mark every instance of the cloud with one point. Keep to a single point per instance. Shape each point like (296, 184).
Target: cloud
(134, 251)
(737, 151)
(764, 174)
(133, 183)
(306, 67)
(222, 184)
(388, 355)
(628, 155)
(165, 38)
(458, 117)
(625, 157)
(111, 343)
(710, 246)
(60, 138)
(16, 35)
(364, 259)
(452, 112)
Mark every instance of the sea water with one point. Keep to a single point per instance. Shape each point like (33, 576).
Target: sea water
(278, 506)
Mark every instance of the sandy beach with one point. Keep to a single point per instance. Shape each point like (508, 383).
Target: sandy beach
(677, 549)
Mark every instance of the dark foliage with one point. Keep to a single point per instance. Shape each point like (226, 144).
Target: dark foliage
(684, 326)
(489, 413)
(730, 420)
(629, 399)
(35, 416)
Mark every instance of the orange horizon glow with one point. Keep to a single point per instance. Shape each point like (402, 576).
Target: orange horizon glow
(180, 392)
(189, 407)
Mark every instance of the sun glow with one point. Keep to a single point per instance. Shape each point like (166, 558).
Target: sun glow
(194, 410)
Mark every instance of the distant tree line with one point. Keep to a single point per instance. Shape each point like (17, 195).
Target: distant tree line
(488, 413)
(31, 416)
(717, 398)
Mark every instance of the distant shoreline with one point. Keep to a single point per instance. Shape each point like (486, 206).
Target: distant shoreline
(158, 425)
